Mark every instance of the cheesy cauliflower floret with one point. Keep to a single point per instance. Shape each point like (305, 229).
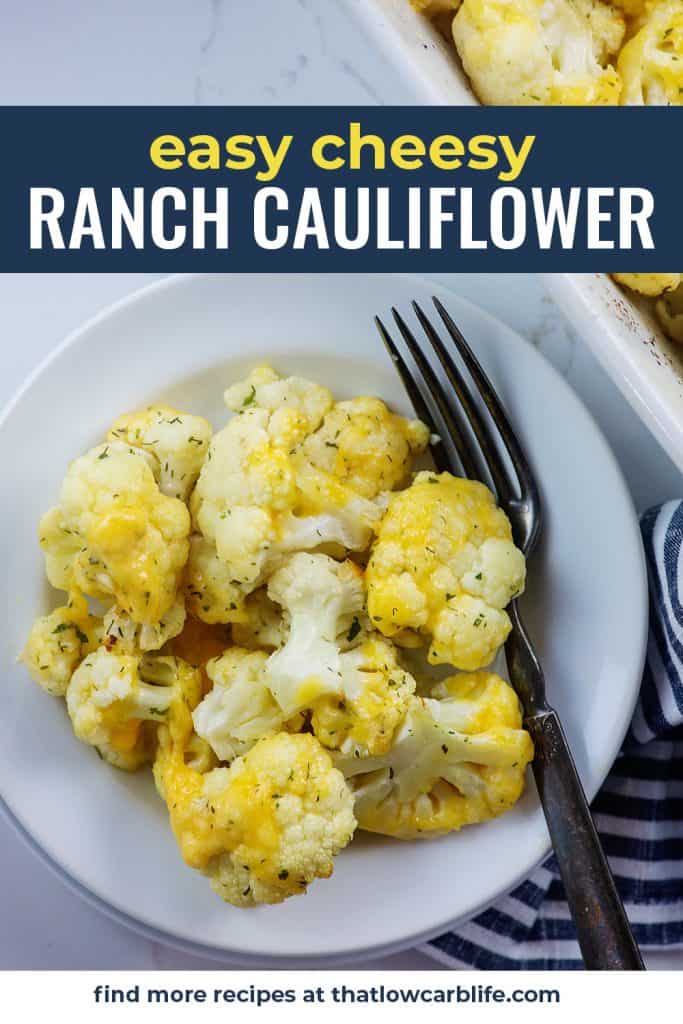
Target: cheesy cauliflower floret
(59, 642)
(456, 761)
(322, 602)
(178, 441)
(329, 513)
(264, 828)
(669, 310)
(607, 27)
(124, 636)
(669, 307)
(545, 52)
(113, 698)
(366, 445)
(374, 701)
(239, 709)
(246, 482)
(444, 565)
(258, 498)
(114, 535)
(651, 62)
(299, 404)
(649, 284)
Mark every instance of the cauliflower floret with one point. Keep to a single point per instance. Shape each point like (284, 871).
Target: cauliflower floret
(607, 27)
(59, 642)
(366, 445)
(355, 686)
(258, 497)
(444, 564)
(649, 284)
(669, 307)
(299, 404)
(329, 514)
(114, 534)
(178, 441)
(264, 828)
(247, 480)
(124, 636)
(239, 709)
(264, 625)
(538, 51)
(455, 761)
(651, 62)
(322, 602)
(376, 692)
(112, 699)
(669, 311)
(329, 664)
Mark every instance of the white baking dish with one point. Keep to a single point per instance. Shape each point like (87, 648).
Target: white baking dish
(646, 367)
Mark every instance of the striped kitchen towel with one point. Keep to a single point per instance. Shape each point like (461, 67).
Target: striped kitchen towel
(639, 810)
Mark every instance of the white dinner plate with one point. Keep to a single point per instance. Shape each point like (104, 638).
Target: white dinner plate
(182, 341)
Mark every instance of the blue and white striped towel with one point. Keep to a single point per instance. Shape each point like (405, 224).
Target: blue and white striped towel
(639, 810)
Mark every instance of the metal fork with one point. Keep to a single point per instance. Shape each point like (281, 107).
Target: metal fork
(603, 930)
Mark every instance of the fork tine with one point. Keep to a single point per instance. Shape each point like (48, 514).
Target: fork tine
(527, 482)
(422, 411)
(436, 391)
(501, 480)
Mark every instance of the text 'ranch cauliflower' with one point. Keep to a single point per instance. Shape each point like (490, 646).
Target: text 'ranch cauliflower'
(239, 609)
(444, 565)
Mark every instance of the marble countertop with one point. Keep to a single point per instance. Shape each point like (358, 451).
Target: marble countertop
(222, 51)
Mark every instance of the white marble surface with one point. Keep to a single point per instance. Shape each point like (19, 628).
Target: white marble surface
(220, 51)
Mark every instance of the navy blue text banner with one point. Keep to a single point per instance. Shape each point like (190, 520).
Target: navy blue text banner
(341, 189)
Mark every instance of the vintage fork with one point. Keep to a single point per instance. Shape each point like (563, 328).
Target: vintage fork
(603, 930)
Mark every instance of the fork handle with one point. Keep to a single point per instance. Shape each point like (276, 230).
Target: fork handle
(603, 931)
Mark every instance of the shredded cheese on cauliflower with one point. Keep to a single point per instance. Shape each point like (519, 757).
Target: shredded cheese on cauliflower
(221, 627)
(444, 566)
(114, 535)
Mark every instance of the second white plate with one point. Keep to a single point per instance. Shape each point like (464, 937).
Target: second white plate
(620, 328)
